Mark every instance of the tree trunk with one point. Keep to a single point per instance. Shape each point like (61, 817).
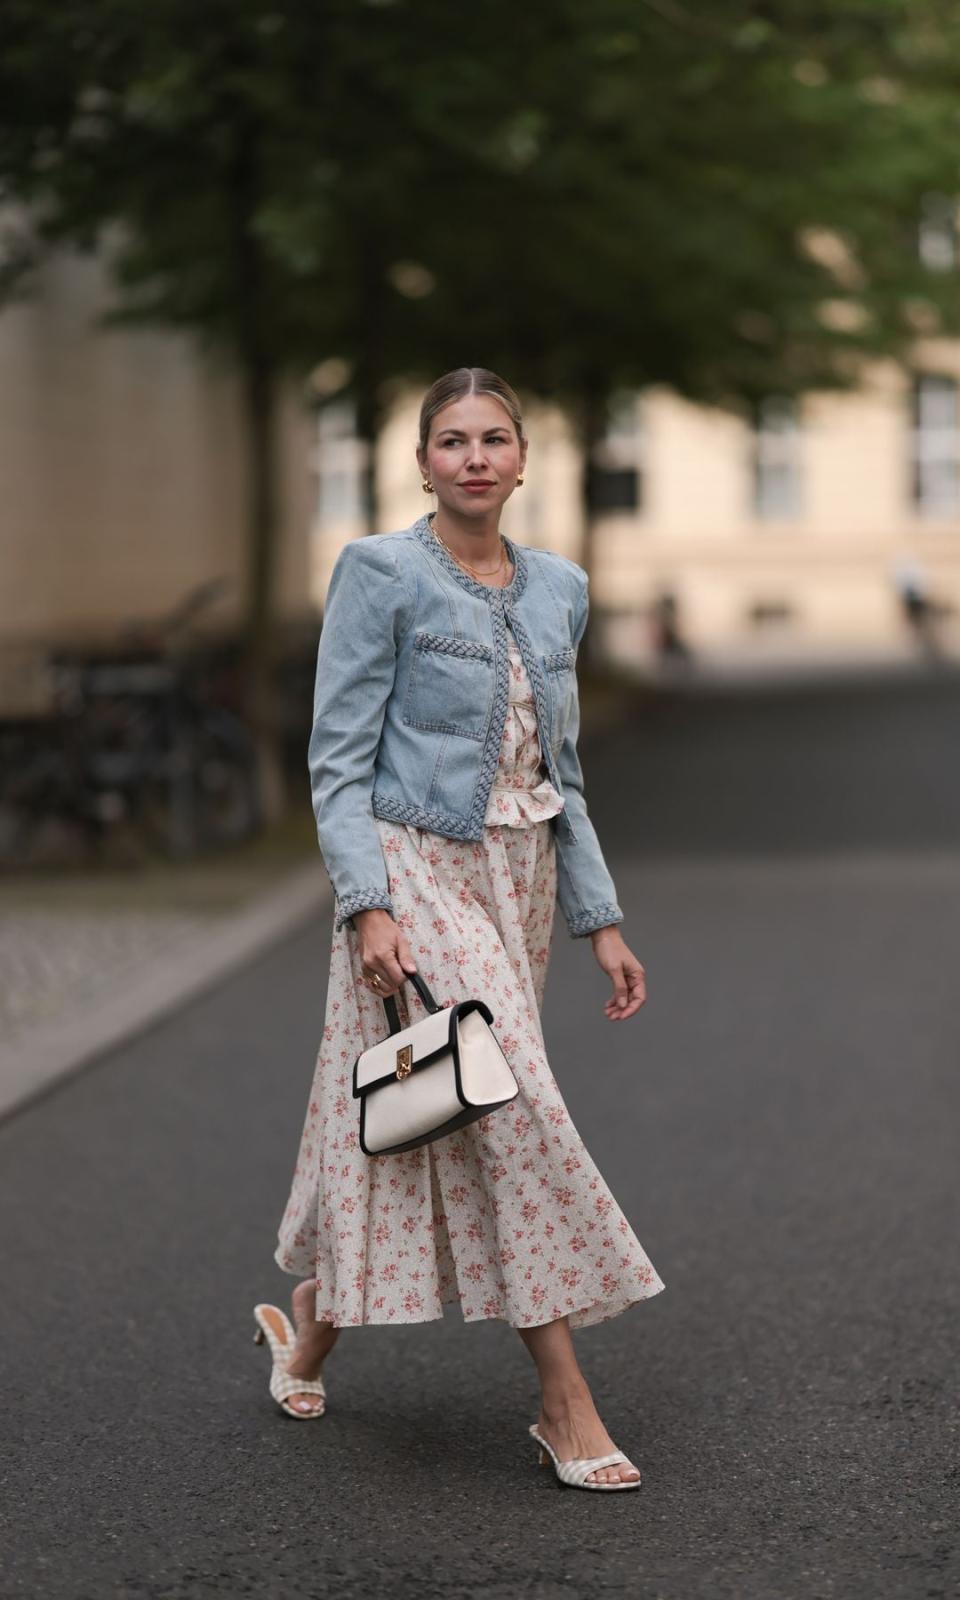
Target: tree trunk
(375, 254)
(591, 426)
(260, 404)
(260, 381)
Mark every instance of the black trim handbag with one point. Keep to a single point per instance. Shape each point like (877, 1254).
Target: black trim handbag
(432, 1077)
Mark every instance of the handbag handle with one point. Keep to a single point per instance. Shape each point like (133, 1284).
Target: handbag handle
(390, 1004)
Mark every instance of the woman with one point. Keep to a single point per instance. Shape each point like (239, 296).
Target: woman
(451, 818)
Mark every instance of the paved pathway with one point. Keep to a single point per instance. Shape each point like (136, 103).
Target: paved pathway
(779, 1123)
(57, 963)
(87, 961)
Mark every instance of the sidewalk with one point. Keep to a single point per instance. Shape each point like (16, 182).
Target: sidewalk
(88, 960)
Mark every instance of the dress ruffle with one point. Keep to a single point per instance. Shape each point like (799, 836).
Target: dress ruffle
(521, 794)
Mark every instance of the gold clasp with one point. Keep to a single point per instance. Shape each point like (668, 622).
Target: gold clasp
(405, 1061)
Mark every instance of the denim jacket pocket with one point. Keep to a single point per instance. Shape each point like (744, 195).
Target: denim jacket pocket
(560, 668)
(451, 684)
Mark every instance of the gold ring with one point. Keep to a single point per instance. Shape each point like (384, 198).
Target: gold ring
(376, 979)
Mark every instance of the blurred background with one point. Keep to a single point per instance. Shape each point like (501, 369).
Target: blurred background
(715, 248)
(716, 251)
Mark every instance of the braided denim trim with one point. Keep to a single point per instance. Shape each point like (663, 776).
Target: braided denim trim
(544, 711)
(485, 591)
(443, 823)
(597, 917)
(420, 817)
(559, 659)
(361, 900)
(490, 757)
(446, 644)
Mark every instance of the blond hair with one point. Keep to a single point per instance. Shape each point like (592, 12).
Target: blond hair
(462, 381)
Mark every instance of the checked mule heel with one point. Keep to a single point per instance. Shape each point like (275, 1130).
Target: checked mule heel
(274, 1327)
(576, 1472)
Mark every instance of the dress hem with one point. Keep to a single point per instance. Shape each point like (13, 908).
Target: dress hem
(578, 1316)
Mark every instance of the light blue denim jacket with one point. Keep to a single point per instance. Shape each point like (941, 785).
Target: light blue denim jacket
(410, 703)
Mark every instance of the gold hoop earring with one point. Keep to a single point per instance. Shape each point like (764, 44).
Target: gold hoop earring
(427, 486)
(520, 479)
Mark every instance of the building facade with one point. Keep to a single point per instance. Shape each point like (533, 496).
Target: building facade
(123, 478)
(790, 538)
(123, 468)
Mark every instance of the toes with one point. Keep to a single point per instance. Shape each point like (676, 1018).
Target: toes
(622, 1474)
(305, 1403)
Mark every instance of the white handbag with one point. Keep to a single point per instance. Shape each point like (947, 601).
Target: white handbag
(431, 1078)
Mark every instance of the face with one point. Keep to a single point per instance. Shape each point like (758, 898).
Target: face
(473, 455)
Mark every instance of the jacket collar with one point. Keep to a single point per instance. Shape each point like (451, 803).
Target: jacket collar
(424, 532)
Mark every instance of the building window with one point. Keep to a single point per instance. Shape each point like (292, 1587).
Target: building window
(776, 459)
(339, 462)
(771, 614)
(618, 459)
(937, 240)
(936, 446)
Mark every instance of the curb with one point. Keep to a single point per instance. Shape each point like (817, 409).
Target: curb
(755, 677)
(54, 1052)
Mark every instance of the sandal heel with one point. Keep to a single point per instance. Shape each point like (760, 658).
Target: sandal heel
(279, 1336)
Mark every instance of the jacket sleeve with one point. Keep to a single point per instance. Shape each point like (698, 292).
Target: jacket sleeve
(585, 890)
(367, 608)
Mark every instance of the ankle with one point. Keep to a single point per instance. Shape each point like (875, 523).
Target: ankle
(559, 1403)
(318, 1333)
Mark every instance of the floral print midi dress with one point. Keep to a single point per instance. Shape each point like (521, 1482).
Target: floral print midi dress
(509, 1217)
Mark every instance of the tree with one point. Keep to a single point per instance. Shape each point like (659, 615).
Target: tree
(590, 199)
(722, 201)
(249, 172)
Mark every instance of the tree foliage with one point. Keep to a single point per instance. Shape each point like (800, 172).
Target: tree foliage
(721, 198)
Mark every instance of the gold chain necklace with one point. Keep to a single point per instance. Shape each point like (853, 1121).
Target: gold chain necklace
(473, 570)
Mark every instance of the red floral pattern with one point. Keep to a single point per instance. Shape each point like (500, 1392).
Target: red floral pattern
(510, 1217)
(521, 792)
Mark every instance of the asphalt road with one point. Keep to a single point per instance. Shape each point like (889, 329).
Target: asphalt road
(779, 1122)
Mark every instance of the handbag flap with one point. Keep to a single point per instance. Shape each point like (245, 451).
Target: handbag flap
(429, 1037)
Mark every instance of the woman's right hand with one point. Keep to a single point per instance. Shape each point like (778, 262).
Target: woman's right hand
(384, 951)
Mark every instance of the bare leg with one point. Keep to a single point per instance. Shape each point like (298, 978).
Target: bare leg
(315, 1340)
(568, 1416)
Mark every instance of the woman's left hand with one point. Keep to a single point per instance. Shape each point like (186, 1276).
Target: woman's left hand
(624, 971)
